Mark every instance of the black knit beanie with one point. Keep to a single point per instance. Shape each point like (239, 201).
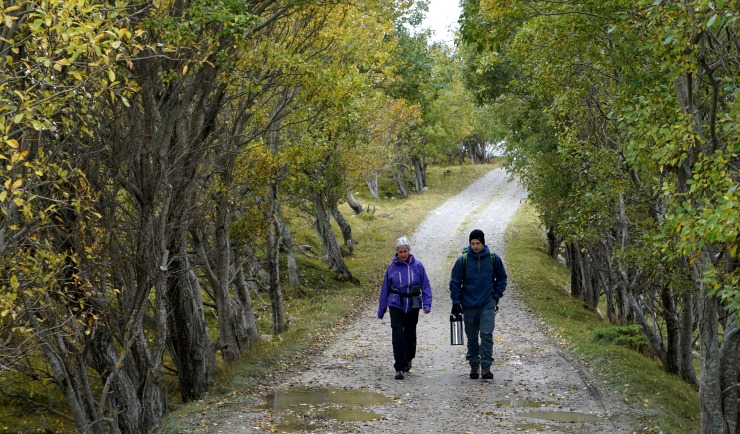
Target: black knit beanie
(477, 234)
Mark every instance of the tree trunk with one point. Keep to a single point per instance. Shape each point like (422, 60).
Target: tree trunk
(710, 390)
(417, 175)
(117, 381)
(66, 379)
(686, 336)
(590, 281)
(576, 274)
(344, 227)
(371, 179)
(217, 267)
(730, 375)
(287, 238)
(356, 206)
(628, 281)
(188, 338)
(553, 243)
(672, 330)
(273, 264)
(652, 337)
(400, 178)
(420, 172)
(244, 307)
(332, 253)
(611, 287)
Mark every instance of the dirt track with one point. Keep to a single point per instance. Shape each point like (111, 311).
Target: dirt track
(537, 387)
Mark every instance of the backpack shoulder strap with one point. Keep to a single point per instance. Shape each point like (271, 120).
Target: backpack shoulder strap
(465, 262)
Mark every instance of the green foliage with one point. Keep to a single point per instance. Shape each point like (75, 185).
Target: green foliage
(58, 56)
(615, 121)
(628, 336)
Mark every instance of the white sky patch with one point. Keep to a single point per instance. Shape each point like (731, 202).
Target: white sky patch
(442, 19)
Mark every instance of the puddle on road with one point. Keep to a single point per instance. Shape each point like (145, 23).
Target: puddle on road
(529, 427)
(306, 409)
(552, 415)
(519, 403)
(563, 416)
(282, 400)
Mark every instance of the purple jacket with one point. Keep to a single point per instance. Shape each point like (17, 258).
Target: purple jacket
(401, 277)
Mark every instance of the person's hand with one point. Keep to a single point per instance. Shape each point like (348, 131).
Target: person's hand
(381, 315)
(457, 309)
(426, 311)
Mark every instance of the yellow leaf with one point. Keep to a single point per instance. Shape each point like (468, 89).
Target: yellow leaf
(14, 282)
(185, 69)
(3, 195)
(13, 143)
(17, 183)
(111, 75)
(18, 201)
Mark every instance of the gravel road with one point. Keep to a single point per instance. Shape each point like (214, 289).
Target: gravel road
(537, 386)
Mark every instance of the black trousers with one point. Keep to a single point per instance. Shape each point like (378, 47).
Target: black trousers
(403, 326)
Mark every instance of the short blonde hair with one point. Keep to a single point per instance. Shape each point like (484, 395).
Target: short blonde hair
(403, 241)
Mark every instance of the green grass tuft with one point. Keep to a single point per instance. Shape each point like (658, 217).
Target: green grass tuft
(630, 336)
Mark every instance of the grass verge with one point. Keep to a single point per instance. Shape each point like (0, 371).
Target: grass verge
(665, 402)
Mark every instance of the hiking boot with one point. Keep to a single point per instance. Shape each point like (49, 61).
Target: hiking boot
(399, 375)
(474, 371)
(407, 368)
(487, 374)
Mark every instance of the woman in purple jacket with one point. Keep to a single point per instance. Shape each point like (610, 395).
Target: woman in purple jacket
(405, 291)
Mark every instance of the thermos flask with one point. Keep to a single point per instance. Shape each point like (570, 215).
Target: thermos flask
(456, 329)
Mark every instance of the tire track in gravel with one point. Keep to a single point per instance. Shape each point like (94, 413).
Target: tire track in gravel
(437, 396)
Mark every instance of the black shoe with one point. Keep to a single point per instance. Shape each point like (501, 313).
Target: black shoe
(407, 368)
(399, 375)
(474, 371)
(487, 374)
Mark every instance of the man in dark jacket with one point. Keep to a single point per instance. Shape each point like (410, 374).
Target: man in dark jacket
(477, 282)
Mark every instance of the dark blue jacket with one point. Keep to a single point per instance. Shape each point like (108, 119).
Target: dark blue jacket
(483, 281)
(400, 277)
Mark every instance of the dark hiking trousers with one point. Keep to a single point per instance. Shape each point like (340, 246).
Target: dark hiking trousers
(403, 327)
(479, 325)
